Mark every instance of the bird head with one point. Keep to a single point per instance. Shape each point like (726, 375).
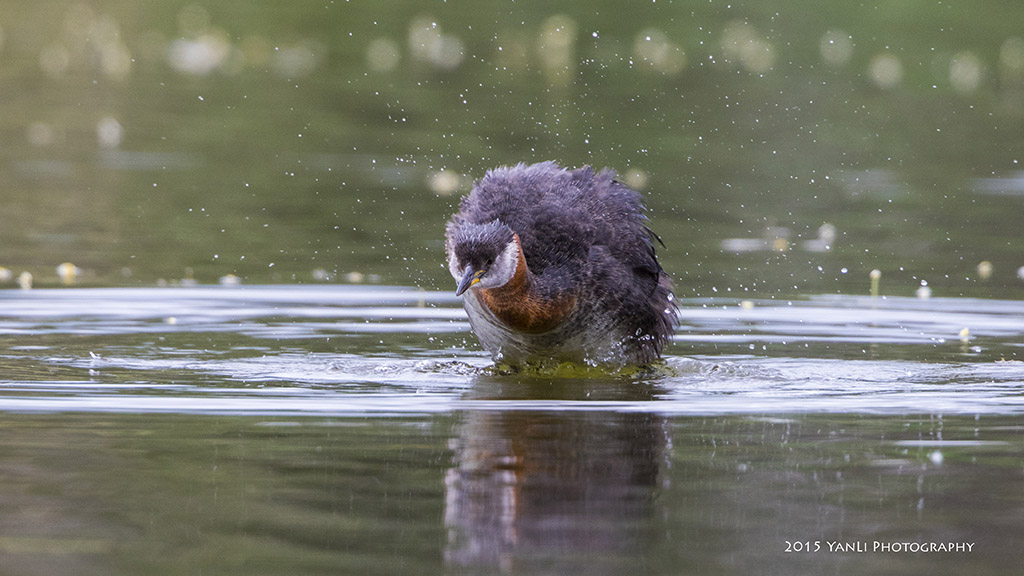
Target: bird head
(481, 255)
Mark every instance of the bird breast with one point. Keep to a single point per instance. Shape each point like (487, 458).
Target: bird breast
(521, 306)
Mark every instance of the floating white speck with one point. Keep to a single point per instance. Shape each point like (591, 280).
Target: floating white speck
(230, 280)
(984, 269)
(109, 132)
(68, 273)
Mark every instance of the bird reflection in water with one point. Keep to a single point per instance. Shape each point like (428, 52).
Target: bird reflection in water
(552, 492)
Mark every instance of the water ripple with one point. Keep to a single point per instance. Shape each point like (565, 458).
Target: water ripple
(385, 350)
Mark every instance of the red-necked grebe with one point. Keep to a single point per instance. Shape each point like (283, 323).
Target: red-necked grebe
(558, 264)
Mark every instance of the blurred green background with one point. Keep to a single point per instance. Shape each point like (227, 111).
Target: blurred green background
(786, 148)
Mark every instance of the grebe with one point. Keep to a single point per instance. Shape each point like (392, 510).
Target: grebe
(556, 264)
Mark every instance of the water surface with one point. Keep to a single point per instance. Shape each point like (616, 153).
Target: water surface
(284, 429)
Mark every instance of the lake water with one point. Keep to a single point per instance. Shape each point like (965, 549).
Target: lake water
(241, 352)
(294, 429)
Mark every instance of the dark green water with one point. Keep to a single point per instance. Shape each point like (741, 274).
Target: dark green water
(269, 141)
(529, 492)
(283, 430)
(298, 425)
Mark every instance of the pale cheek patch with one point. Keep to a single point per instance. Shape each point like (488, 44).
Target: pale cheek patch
(504, 267)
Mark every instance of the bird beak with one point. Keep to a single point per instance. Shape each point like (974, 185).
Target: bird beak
(469, 278)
